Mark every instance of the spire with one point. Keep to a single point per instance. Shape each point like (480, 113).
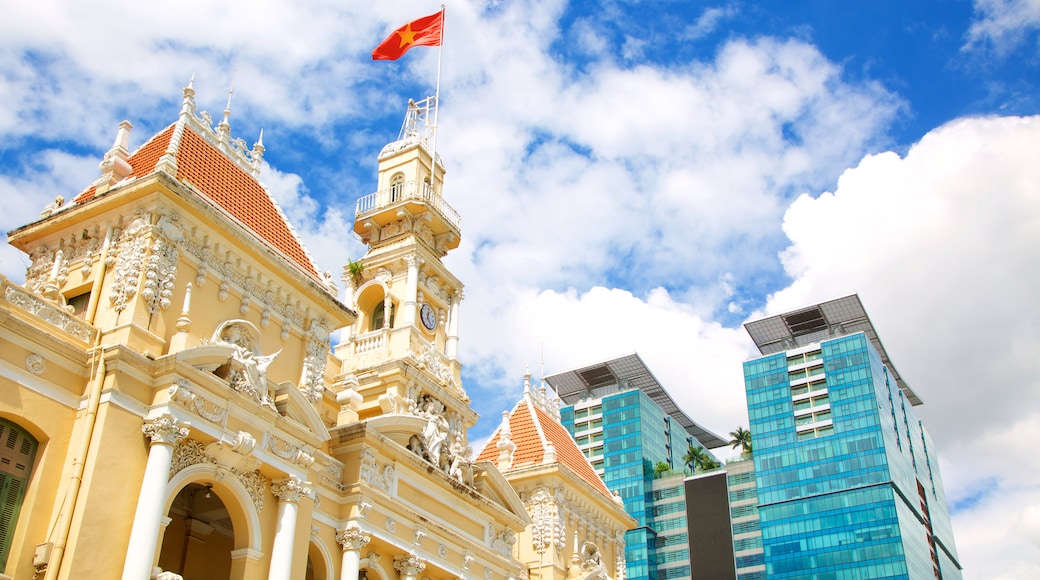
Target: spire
(168, 162)
(224, 128)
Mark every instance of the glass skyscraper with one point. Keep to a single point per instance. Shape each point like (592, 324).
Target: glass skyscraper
(847, 478)
(625, 423)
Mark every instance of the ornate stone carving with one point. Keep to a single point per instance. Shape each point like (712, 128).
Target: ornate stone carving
(503, 540)
(391, 525)
(467, 559)
(352, 539)
(49, 313)
(287, 450)
(419, 535)
(442, 551)
(35, 364)
(151, 251)
(547, 519)
(312, 383)
(191, 452)
(409, 565)
(372, 475)
(591, 566)
(165, 429)
(290, 489)
(363, 509)
(256, 486)
(201, 406)
(431, 360)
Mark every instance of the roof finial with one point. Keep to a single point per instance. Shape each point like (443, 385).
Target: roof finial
(257, 154)
(224, 129)
(188, 105)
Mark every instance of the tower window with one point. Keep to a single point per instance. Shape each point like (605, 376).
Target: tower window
(396, 187)
(379, 316)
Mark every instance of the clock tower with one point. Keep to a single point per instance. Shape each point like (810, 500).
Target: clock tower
(402, 351)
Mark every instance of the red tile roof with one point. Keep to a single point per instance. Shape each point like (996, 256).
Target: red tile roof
(221, 181)
(524, 423)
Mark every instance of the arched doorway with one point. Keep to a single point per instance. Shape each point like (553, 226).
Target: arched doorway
(317, 568)
(198, 541)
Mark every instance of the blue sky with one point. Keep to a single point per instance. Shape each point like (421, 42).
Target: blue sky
(632, 176)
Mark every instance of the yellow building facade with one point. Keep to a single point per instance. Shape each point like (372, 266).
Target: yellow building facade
(172, 405)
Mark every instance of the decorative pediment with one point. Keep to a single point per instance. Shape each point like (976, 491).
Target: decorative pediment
(293, 404)
(493, 485)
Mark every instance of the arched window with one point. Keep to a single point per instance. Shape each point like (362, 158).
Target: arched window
(396, 187)
(17, 452)
(427, 189)
(379, 316)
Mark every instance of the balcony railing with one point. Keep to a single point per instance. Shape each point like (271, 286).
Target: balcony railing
(408, 191)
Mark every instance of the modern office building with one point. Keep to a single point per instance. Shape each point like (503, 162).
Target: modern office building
(848, 484)
(625, 423)
(745, 528)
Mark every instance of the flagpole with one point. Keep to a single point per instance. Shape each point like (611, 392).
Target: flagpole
(437, 97)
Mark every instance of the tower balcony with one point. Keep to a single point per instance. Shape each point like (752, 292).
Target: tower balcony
(412, 196)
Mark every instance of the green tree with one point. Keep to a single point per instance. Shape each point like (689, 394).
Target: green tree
(660, 468)
(741, 438)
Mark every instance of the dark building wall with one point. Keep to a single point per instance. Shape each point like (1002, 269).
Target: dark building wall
(707, 520)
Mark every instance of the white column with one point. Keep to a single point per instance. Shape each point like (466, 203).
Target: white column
(451, 346)
(352, 540)
(408, 566)
(288, 491)
(164, 432)
(411, 292)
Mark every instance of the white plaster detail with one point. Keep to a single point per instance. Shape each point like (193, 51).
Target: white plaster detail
(35, 364)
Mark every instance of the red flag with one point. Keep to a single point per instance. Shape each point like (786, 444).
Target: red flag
(425, 31)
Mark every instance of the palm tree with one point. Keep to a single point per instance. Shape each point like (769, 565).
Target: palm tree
(695, 457)
(708, 464)
(741, 438)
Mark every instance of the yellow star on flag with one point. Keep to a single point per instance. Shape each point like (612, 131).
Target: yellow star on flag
(407, 35)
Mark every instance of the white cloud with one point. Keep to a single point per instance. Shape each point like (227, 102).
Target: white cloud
(1003, 24)
(709, 21)
(942, 247)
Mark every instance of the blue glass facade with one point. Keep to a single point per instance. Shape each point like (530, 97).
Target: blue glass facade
(848, 485)
(625, 435)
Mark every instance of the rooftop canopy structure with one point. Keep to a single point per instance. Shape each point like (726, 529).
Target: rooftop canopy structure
(820, 322)
(621, 374)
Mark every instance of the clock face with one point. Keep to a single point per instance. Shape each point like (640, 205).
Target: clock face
(429, 318)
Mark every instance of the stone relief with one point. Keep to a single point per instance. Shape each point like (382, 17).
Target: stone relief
(286, 450)
(442, 441)
(35, 364)
(428, 358)
(503, 540)
(247, 369)
(199, 405)
(372, 475)
(148, 250)
(312, 382)
(547, 519)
